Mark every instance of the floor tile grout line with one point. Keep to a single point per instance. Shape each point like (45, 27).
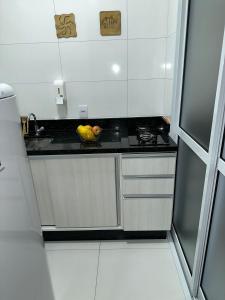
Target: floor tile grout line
(110, 249)
(96, 281)
(81, 249)
(104, 249)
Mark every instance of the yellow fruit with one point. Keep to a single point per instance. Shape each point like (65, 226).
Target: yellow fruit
(79, 128)
(88, 126)
(89, 136)
(86, 133)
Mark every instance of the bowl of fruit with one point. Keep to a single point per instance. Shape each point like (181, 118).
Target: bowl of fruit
(89, 134)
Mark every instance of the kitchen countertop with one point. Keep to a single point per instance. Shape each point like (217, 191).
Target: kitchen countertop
(60, 137)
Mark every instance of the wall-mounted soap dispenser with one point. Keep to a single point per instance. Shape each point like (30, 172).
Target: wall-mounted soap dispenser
(60, 92)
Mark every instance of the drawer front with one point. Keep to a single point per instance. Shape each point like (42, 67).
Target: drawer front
(149, 166)
(148, 186)
(147, 214)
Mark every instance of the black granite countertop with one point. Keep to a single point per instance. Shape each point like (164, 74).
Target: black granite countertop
(60, 137)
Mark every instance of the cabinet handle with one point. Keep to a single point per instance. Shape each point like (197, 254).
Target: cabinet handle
(163, 176)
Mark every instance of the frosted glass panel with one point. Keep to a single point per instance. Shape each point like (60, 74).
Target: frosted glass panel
(213, 282)
(203, 51)
(188, 198)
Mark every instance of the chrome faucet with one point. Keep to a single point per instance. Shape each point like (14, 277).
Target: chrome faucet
(36, 128)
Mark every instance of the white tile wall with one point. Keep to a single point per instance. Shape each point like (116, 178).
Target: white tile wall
(40, 96)
(94, 61)
(168, 96)
(97, 70)
(27, 21)
(172, 16)
(147, 18)
(104, 99)
(170, 55)
(23, 63)
(146, 58)
(146, 97)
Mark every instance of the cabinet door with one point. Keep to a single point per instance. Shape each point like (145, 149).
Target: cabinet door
(41, 186)
(147, 213)
(83, 191)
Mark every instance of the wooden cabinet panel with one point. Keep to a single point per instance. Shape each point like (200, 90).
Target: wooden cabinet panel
(149, 186)
(147, 214)
(83, 191)
(150, 165)
(41, 185)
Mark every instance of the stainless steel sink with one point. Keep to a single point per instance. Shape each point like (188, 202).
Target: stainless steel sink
(37, 142)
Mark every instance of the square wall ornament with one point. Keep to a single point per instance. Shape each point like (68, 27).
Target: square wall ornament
(65, 26)
(110, 23)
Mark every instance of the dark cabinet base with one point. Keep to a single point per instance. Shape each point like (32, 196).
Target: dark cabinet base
(102, 235)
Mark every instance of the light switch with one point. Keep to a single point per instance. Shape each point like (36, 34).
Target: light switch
(83, 111)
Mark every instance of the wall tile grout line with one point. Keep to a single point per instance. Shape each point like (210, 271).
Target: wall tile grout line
(127, 111)
(88, 41)
(94, 81)
(166, 54)
(60, 57)
(96, 281)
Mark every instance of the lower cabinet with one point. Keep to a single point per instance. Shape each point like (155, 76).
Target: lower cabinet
(148, 187)
(76, 192)
(83, 191)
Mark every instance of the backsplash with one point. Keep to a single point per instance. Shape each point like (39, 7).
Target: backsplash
(116, 76)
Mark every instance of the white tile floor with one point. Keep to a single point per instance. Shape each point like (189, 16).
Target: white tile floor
(115, 270)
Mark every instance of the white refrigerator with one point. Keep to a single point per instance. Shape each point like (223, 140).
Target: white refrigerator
(24, 272)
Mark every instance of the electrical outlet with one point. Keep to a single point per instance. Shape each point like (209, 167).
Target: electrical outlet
(83, 111)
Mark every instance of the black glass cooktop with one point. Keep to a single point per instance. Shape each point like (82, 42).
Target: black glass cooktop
(157, 140)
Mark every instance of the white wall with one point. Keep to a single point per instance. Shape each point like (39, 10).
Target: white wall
(170, 55)
(31, 57)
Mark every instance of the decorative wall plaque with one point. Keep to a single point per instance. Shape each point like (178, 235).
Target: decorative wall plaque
(65, 26)
(110, 23)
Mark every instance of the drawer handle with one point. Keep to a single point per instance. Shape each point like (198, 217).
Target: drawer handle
(169, 155)
(147, 196)
(162, 176)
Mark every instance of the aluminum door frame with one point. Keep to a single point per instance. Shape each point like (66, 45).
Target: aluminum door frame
(211, 158)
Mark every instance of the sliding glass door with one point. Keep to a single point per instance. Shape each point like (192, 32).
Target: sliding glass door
(188, 198)
(203, 50)
(199, 113)
(213, 279)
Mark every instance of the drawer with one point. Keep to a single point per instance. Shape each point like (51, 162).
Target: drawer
(147, 214)
(151, 165)
(149, 186)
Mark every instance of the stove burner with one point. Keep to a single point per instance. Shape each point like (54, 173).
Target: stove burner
(147, 136)
(144, 135)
